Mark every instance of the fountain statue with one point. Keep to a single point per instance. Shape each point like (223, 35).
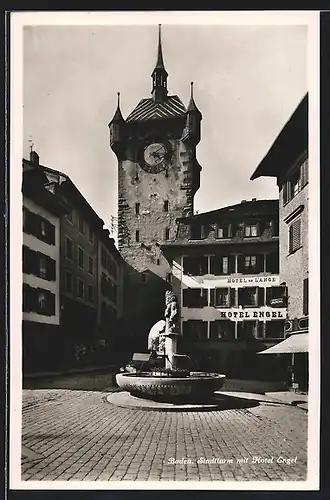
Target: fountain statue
(169, 383)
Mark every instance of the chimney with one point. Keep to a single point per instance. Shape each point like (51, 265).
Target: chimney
(254, 199)
(243, 201)
(34, 158)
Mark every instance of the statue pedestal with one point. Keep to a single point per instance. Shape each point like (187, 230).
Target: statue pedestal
(171, 341)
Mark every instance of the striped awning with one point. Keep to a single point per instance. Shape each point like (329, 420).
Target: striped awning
(297, 342)
(148, 109)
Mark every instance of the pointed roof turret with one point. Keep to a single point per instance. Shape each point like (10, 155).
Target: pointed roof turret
(117, 117)
(192, 108)
(159, 74)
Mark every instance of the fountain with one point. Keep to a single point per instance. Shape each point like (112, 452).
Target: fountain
(169, 383)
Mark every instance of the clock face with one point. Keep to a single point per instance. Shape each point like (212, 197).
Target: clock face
(155, 156)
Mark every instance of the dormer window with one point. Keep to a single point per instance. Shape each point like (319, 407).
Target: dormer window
(223, 231)
(251, 230)
(196, 231)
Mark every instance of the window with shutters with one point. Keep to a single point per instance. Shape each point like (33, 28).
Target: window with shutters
(195, 329)
(90, 265)
(220, 264)
(90, 235)
(195, 266)
(103, 257)
(295, 236)
(248, 296)
(81, 225)
(305, 297)
(221, 297)
(251, 230)
(222, 329)
(250, 264)
(195, 297)
(223, 231)
(81, 288)
(81, 257)
(68, 248)
(196, 231)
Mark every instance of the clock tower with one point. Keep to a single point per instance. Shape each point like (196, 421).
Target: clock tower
(158, 176)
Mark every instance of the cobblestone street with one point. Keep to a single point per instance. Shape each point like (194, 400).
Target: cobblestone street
(78, 435)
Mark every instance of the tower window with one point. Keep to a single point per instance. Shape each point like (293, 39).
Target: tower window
(137, 235)
(166, 206)
(137, 208)
(167, 234)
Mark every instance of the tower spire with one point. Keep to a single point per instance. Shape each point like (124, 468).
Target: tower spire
(159, 74)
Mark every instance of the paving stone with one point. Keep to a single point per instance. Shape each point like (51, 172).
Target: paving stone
(80, 436)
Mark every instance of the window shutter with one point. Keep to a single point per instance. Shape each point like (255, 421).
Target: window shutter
(285, 192)
(260, 263)
(231, 264)
(291, 238)
(261, 296)
(50, 233)
(232, 302)
(305, 297)
(51, 269)
(296, 234)
(212, 297)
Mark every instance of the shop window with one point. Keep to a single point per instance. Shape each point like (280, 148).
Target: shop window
(81, 288)
(195, 266)
(81, 257)
(251, 230)
(247, 330)
(220, 264)
(295, 235)
(68, 248)
(195, 297)
(274, 329)
(195, 329)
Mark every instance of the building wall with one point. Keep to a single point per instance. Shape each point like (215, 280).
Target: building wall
(70, 230)
(113, 272)
(53, 251)
(294, 266)
(151, 191)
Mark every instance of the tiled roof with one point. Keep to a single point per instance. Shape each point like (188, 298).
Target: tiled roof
(148, 109)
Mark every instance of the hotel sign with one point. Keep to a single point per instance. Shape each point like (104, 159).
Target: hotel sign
(254, 280)
(260, 313)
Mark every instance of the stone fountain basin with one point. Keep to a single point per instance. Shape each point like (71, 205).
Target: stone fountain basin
(198, 385)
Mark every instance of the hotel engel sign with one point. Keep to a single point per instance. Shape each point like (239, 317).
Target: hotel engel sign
(251, 313)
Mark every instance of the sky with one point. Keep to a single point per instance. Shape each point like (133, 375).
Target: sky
(248, 80)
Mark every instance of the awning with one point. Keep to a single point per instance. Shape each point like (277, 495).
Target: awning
(297, 342)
